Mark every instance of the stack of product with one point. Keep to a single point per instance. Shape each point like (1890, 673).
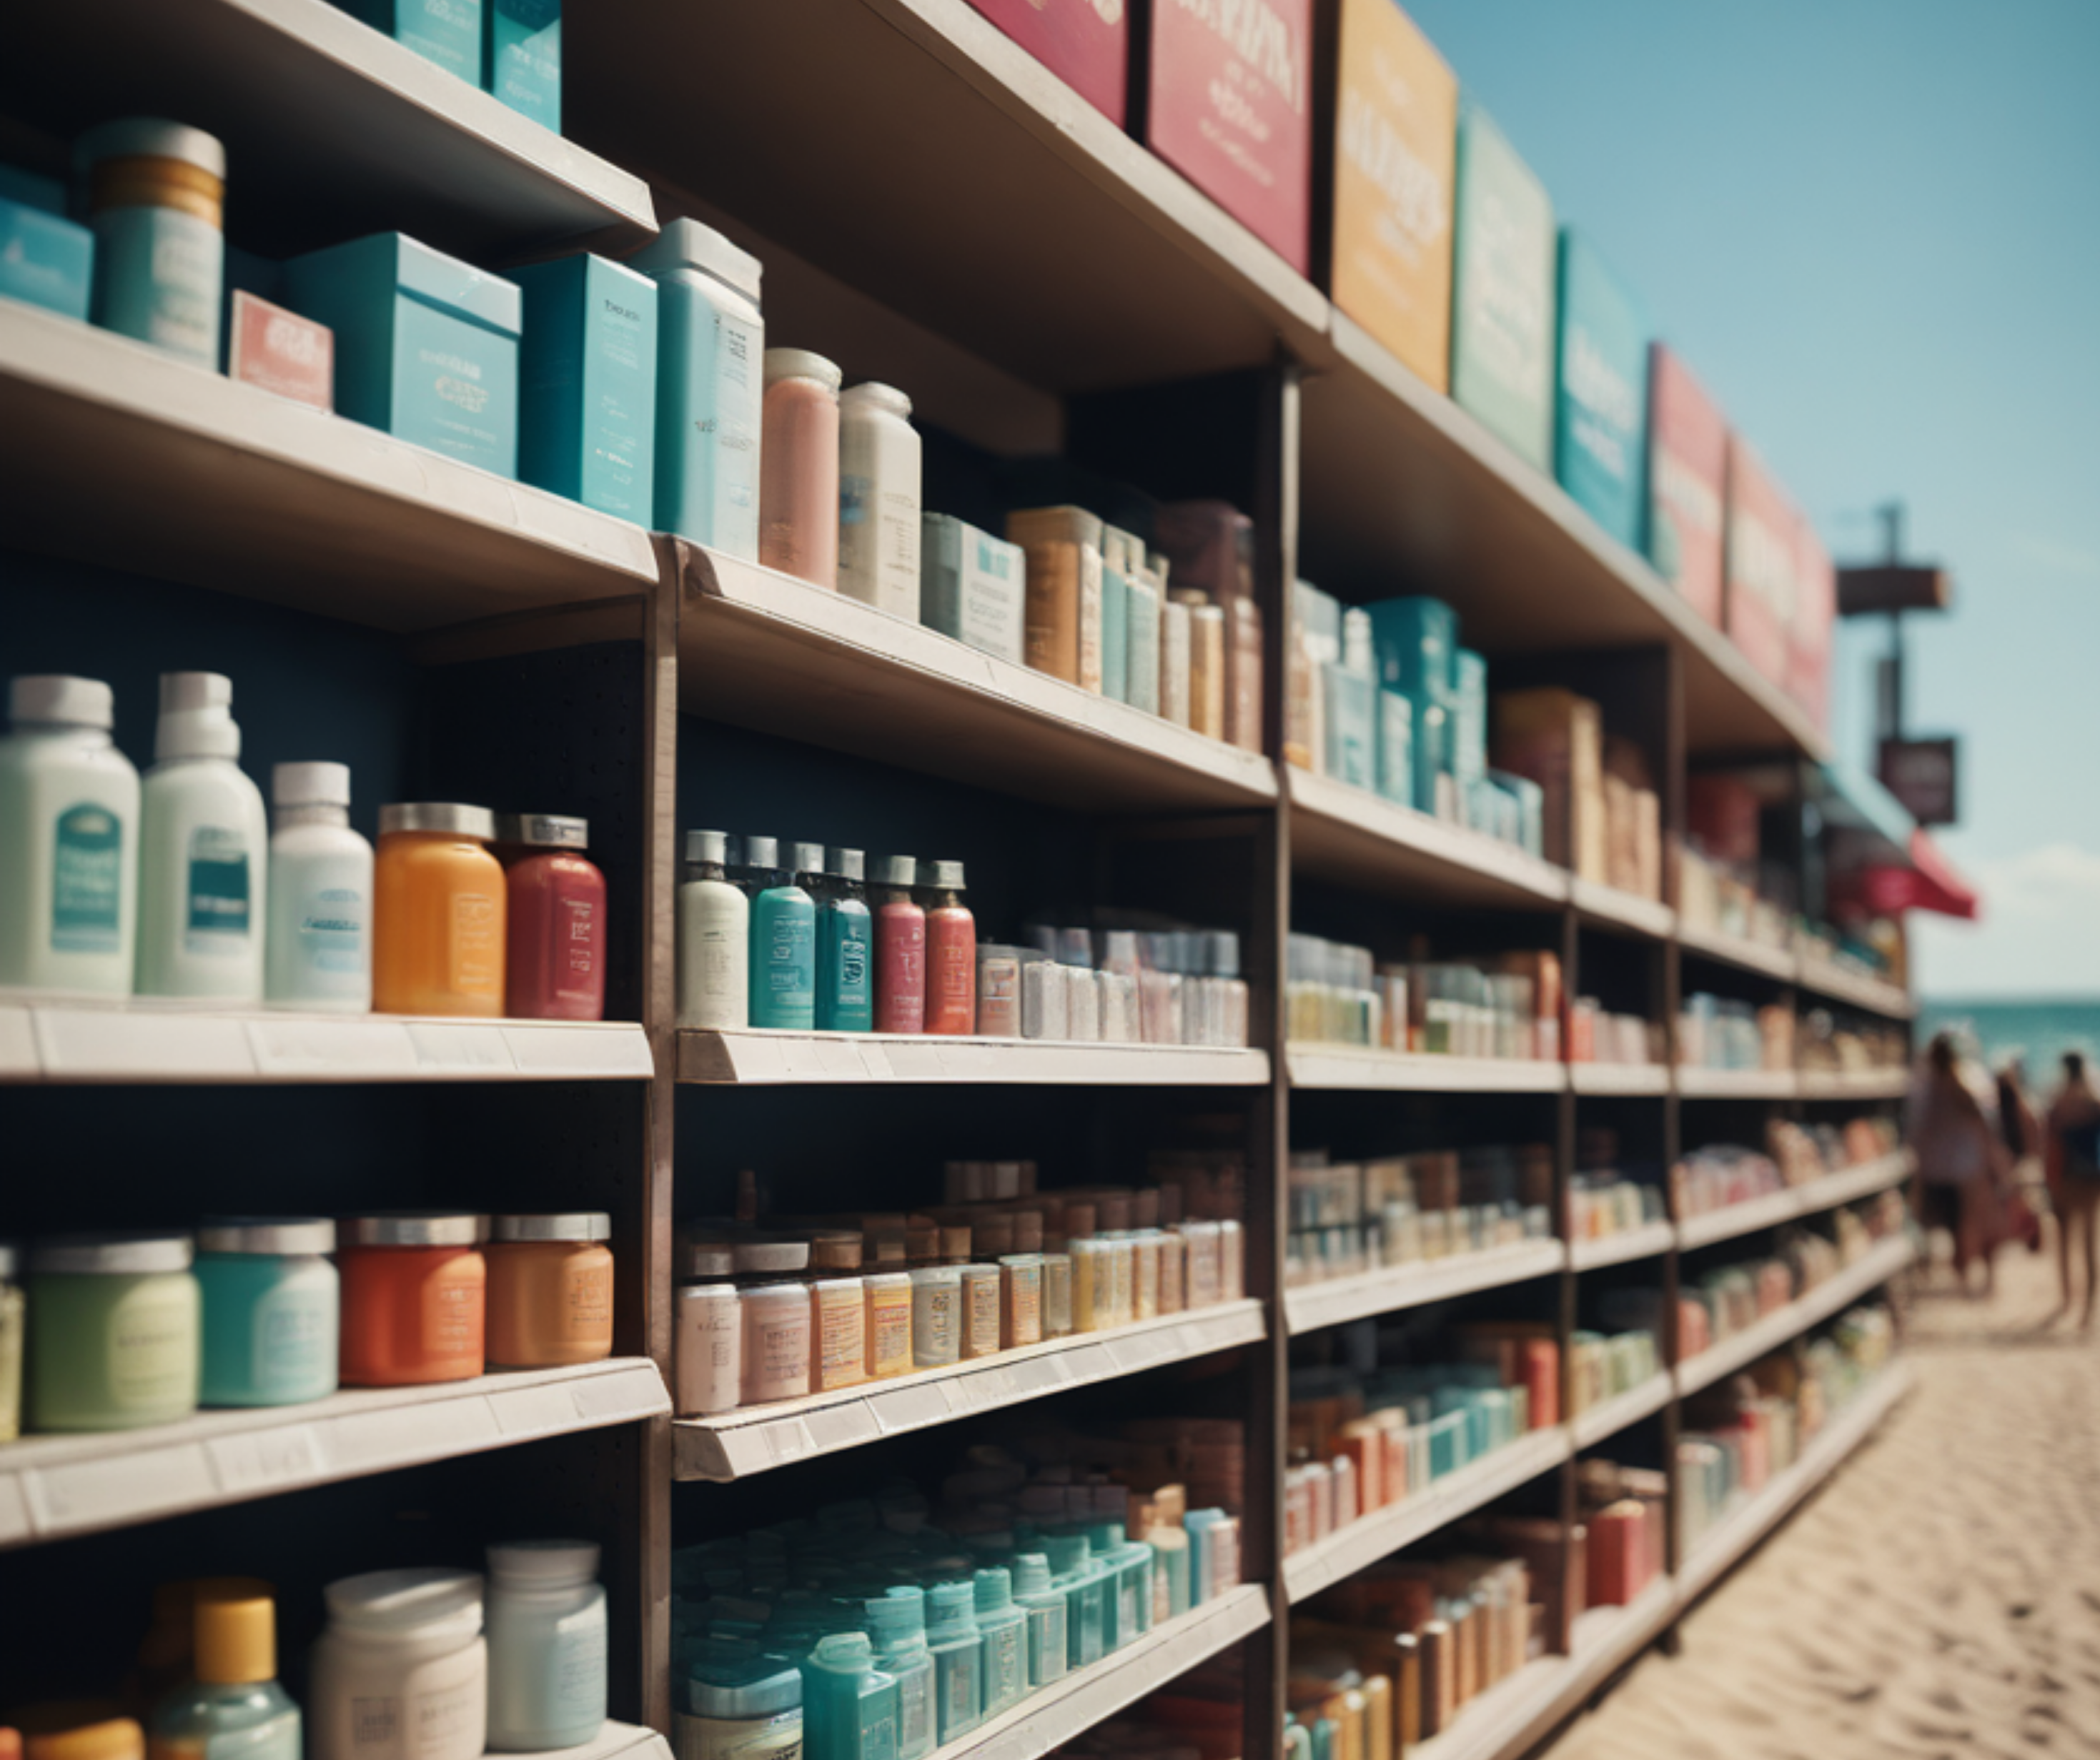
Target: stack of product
(177, 886)
(815, 1305)
(1850, 1044)
(1730, 1299)
(1601, 1366)
(1603, 1203)
(1720, 884)
(1622, 1511)
(1724, 1033)
(510, 48)
(125, 1330)
(1352, 1217)
(517, 1662)
(800, 948)
(1506, 1006)
(1597, 1036)
(1603, 815)
(1721, 1174)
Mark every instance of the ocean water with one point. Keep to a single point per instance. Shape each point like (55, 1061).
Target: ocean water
(2038, 1032)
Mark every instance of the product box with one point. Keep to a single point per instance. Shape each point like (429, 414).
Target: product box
(1414, 639)
(1687, 469)
(45, 259)
(1316, 634)
(971, 586)
(1086, 43)
(448, 31)
(1600, 393)
(1396, 747)
(1115, 624)
(1395, 157)
(1230, 105)
(1063, 546)
(1469, 717)
(1352, 754)
(1556, 738)
(1528, 801)
(588, 394)
(1809, 637)
(1757, 608)
(426, 345)
(1141, 666)
(1502, 290)
(521, 57)
(286, 354)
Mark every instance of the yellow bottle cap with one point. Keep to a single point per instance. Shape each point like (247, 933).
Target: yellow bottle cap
(78, 1729)
(237, 1632)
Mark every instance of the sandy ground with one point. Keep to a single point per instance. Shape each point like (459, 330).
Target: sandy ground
(1940, 1596)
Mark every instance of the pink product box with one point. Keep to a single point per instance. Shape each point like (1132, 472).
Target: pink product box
(1086, 43)
(1814, 611)
(1763, 534)
(1687, 473)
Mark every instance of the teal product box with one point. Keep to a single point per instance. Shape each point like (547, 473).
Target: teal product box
(1600, 393)
(587, 392)
(1415, 640)
(1141, 661)
(521, 57)
(45, 259)
(972, 587)
(448, 31)
(426, 345)
(1530, 799)
(1502, 331)
(1432, 756)
(1115, 633)
(1351, 705)
(1396, 747)
(1469, 718)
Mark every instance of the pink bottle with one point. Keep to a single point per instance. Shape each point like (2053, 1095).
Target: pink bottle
(951, 951)
(900, 950)
(798, 467)
(556, 911)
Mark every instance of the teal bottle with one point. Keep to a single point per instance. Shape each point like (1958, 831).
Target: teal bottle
(1005, 1629)
(848, 1704)
(1087, 1620)
(845, 948)
(958, 1647)
(784, 939)
(897, 1623)
(1044, 1603)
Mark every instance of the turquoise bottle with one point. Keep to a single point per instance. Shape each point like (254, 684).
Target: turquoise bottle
(846, 950)
(784, 938)
(897, 1623)
(1005, 1629)
(1130, 1575)
(233, 1707)
(958, 1647)
(1087, 1620)
(848, 1704)
(1044, 1603)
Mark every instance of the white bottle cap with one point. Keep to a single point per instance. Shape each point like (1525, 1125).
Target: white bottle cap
(801, 364)
(546, 1564)
(57, 701)
(151, 138)
(196, 717)
(873, 396)
(309, 785)
(685, 244)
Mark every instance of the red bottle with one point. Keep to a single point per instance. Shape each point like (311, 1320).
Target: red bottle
(556, 967)
(951, 951)
(900, 950)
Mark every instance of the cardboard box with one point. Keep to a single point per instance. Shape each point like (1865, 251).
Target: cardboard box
(1229, 106)
(1600, 393)
(1687, 468)
(1502, 291)
(1809, 637)
(1556, 738)
(1396, 163)
(1762, 534)
(1086, 43)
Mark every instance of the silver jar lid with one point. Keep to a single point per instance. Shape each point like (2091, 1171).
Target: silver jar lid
(127, 1255)
(898, 870)
(942, 876)
(412, 1227)
(543, 830)
(449, 817)
(277, 1237)
(809, 858)
(756, 1258)
(709, 1259)
(555, 1225)
(761, 852)
(846, 864)
(708, 846)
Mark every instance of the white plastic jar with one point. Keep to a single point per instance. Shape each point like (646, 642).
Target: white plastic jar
(881, 491)
(401, 1672)
(546, 1645)
(708, 1330)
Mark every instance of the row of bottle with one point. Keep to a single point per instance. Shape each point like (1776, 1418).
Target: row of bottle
(118, 1332)
(414, 1664)
(176, 887)
(1351, 1217)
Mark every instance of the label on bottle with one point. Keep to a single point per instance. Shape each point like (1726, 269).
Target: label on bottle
(842, 1339)
(434, 1720)
(1006, 1669)
(587, 1300)
(784, 987)
(900, 990)
(216, 917)
(914, 1711)
(1047, 1642)
(733, 423)
(572, 961)
(890, 1335)
(294, 1340)
(878, 1734)
(453, 1309)
(778, 1737)
(152, 1345)
(477, 948)
(983, 1293)
(87, 880)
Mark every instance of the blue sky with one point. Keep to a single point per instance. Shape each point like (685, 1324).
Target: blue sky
(1872, 226)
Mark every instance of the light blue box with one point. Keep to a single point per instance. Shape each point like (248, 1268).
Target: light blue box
(971, 586)
(1396, 747)
(448, 31)
(521, 57)
(1141, 666)
(1600, 392)
(1530, 800)
(587, 416)
(45, 259)
(426, 345)
(1352, 755)
(1469, 722)
(1115, 634)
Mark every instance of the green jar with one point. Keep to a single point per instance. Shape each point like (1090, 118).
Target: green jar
(115, 1326)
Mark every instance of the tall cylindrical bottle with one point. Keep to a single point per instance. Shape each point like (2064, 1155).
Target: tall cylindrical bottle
(714, 938)
(554, 904)
(900, 950)
(951, 950)
(846, 964)
(783, 939)
(546, 1645)
(319, 950)
(879, 492)
(798, 467)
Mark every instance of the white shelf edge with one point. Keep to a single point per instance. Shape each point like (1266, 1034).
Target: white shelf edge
(1739, 951)
(738, 1445)
(1647, 1242)
(1696, 1084)
(1612, 904)
(1773, 1208)
(1403, 829)
(1636, 1079)
(1307, 1307)
(1832, 1295)
(616, 1739)
(1608, 1417)
(1876, 995)
(757, 1056)
(1359, 1068)
(53, 1487)
(1855, 1085)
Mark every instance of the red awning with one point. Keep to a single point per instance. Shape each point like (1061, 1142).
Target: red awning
(1930, 884)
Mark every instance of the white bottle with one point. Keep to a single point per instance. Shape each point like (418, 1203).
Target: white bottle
(880, 498)
(714, 939)
(318, 952)
(546, 1645)
(68, 840)
(203, 849)
(401, 1673)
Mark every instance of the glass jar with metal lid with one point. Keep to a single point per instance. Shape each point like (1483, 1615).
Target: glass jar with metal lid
(271, 1301)
(440, 913)
(116, 1343)
(549, 1290)
(415, 1287)
(708, 1359)
(556, 905)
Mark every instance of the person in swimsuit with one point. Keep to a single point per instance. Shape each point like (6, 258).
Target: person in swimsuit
(2070, 1143)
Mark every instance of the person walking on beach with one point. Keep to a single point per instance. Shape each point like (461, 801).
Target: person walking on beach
(2071, 1147)
(1955, 1145)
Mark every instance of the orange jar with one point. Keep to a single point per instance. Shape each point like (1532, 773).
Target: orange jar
(549, 1290)
(415, 1291)
(438, 930)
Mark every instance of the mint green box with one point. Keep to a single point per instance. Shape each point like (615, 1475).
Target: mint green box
(1352, 735)
(1396, 747)
(426, 345)
(587, 416)
(1503, 331)
(1469, 718)
(46, 259)
(448, 31)
(522, 50)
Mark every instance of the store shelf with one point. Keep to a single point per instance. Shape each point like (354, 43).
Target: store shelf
(331, 129)
(622, 1742)
(119, 454)
(1307, 1307)
(1646, 1242)
(1636, 1078)
(1361, 1069)
(740, 1444)
(53, 1487)
(1371, 1537)
(1734, 1534)
(1739, 951)
(1737, 1084)
(1855, 1085)
(763, 649)
(757, 1056)
(923, 158)
(1354, 838)
(1775, 1207)
(1608, 1417)
(1615, 909)
(1047, 1720)
(46, 1040)
(1400, 482)
(1840, 983)
(1832, 1296)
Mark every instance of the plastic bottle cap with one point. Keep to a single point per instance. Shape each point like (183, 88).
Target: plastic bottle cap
(1067, 1552)
(942, 876)
(196, 717)
(952, 1611)
(870, 395)
(278, 1237)
(994, 1590)
(543, 1563)
(54, 699)
(544, 830)
(421, 1601)
(309, 785)
(802, 363)
(452, 817)
(110, 1255)
(235, 1627)
(809, 858)
(78, 1729)
(412, 1227)
(769, 1256)
(846, 864)
(1031, 1573)
(895, 1622)
(708, 846)
(570, 1225)
(899, 870)
(845, 1653)
(688, 244)
(761, 852)
(707, 1259)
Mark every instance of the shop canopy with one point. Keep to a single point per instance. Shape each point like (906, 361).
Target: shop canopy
(1883, 865)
